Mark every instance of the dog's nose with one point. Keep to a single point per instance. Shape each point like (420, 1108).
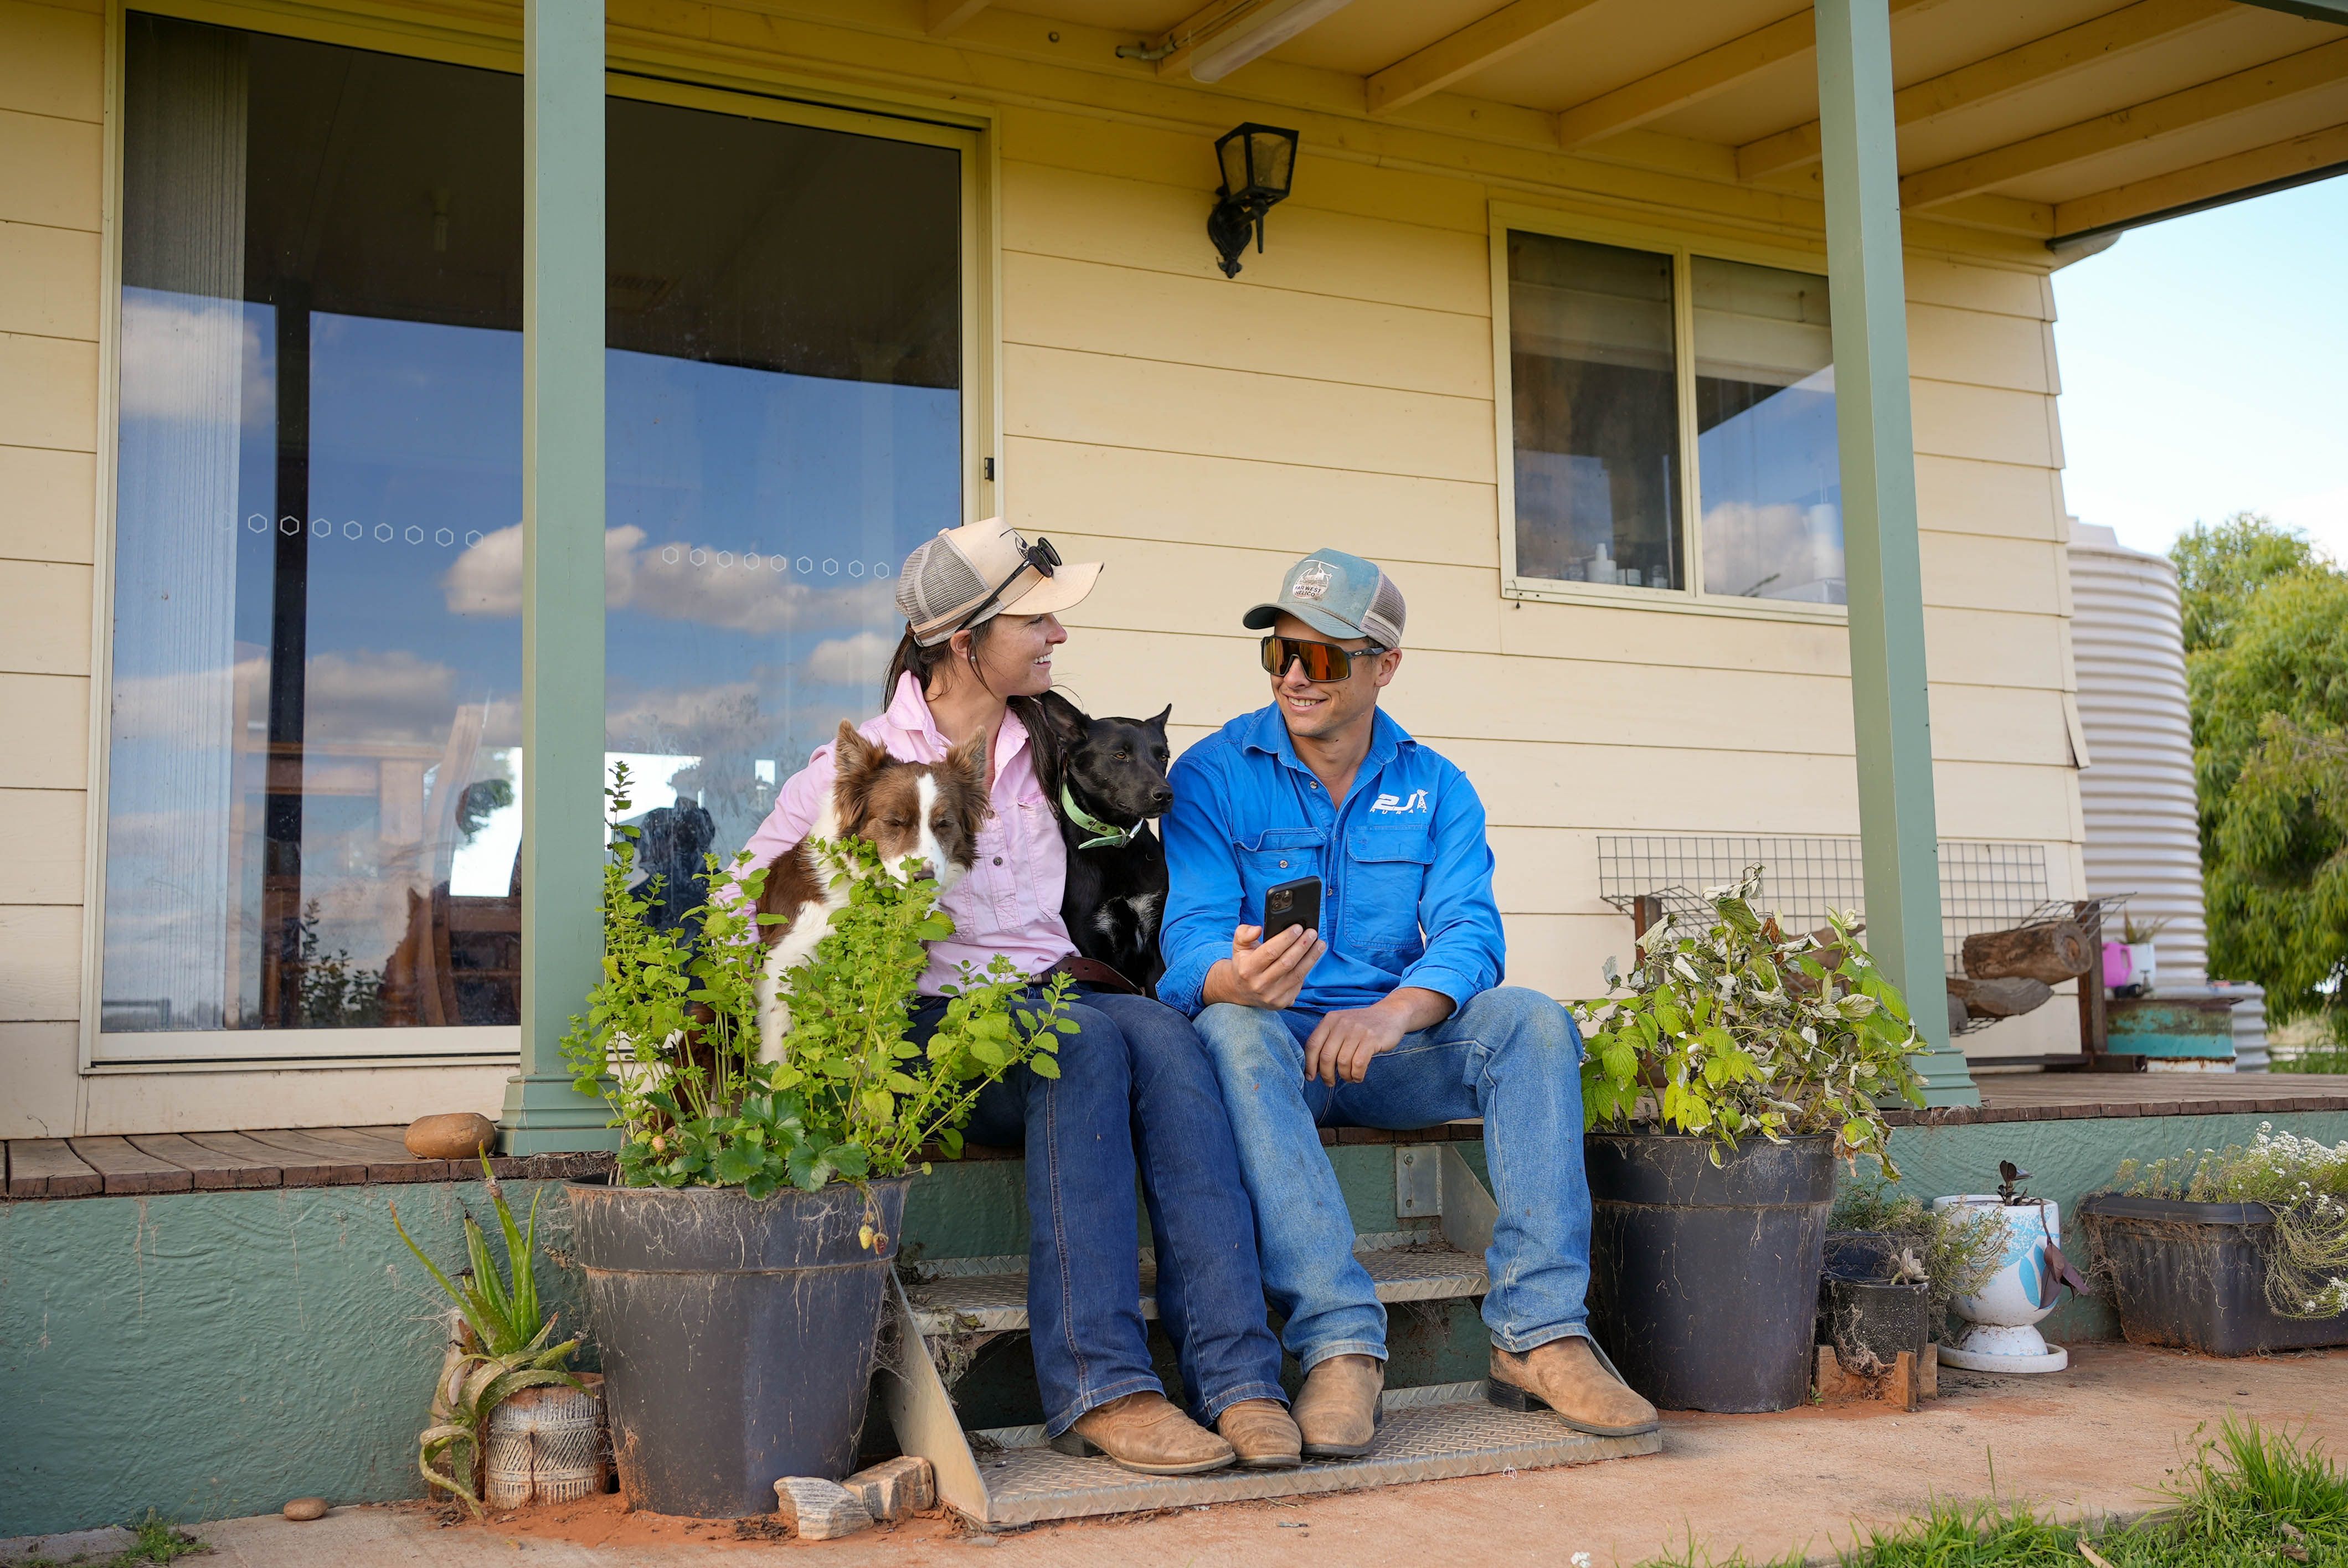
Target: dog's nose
(1161, 797)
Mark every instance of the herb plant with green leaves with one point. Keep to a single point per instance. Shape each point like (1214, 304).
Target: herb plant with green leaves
(670, 1040)
(1735, 1029)
(503, 1350)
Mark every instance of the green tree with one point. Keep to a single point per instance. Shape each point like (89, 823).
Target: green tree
(2220, 567)
(2267, 639)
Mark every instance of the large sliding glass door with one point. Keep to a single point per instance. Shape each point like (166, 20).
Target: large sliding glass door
(312, 817)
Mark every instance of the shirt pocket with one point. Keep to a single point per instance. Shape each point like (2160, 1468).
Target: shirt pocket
(1385, 873)
(1275, 855)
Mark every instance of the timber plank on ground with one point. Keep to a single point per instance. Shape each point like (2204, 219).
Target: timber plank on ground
(130, 1171)
(47, 1168)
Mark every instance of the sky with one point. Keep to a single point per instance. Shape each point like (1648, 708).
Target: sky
(2205, 371)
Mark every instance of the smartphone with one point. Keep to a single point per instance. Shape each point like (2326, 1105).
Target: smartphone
(1296, 903)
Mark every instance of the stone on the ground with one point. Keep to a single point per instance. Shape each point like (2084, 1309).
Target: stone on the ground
(895, 1488)
(456, 1135)
(820, 1510)
(302, 1509)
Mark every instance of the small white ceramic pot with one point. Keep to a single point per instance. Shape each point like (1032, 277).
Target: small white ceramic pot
(2001, 1321)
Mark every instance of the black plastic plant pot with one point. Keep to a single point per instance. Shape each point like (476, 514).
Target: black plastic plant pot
(1861, 1254)
(737, 1335)
(1869, 1321)
(1704, 1282)
(2193, 1276)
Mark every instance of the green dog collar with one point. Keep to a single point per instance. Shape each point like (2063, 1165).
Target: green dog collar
(1108, 837)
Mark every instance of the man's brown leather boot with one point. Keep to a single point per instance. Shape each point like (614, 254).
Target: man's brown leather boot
(1337, 1412)
(1567, 1375)
(1263, 1434)
(1144, 1432)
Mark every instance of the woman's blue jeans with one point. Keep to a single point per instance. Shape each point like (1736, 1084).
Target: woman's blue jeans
(1136, 1095)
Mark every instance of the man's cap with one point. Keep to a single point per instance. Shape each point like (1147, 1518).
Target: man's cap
(948, 577)
(1338, 595)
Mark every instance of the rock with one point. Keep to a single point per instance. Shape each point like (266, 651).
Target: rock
(302, 1509)
(820, 1510)
(458, 1135)
(894, 1488)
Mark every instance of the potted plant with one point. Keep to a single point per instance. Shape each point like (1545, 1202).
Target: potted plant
(2229, 1252)
(1717, 1093)
(501, 1384)
(735, 1262)
(1890, 1257)
(2001, 1314)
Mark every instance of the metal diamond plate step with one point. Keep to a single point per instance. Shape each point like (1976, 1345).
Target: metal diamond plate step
(1418, 1441)
(989, 1295)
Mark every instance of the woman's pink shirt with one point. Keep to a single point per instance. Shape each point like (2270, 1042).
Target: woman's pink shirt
(1010, 902)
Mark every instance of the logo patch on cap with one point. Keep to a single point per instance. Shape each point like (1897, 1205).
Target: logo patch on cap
(1312, 580)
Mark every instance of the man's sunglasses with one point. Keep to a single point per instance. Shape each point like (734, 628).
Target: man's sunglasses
(1039, 555)
(1321, 661)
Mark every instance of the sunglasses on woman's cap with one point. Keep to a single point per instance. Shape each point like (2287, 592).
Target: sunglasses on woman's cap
(1322, 661)
(1041, 554)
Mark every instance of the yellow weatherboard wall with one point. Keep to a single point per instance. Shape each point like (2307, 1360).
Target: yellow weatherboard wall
(1197, 433)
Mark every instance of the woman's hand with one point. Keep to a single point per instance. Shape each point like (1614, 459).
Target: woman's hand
(1261, 974)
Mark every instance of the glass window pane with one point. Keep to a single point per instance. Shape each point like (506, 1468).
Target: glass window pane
(785, 417)
(1590, 347)
(1765, 452)
(321, 404)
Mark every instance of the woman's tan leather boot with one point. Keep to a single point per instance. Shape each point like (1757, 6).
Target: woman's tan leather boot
(1145, 1433)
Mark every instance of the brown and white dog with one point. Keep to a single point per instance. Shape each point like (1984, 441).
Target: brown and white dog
(929, 812)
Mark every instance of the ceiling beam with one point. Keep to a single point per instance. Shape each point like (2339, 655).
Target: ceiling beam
(2039, 61)
(2204, 184)
(940, 18)
(1472, 48)
(1694, 79)
(2310, 70)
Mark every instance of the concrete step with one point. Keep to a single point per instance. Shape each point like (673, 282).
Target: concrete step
(1426, 1434)
(989, 1295)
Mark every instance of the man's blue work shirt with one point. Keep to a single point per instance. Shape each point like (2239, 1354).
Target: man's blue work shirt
(1405, 873)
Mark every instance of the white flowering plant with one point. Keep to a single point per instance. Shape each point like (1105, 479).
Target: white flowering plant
(2303, 1182)
(1732, 1028)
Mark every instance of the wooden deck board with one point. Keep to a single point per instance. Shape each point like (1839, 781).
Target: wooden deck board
(352, 1156)
(47, 1168)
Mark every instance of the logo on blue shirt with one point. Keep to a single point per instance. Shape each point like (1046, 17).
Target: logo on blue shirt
(1401, 806)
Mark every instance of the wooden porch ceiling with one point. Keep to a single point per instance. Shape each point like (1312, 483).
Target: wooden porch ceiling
(2051, 117)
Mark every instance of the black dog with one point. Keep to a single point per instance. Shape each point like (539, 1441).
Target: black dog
(1107, 780)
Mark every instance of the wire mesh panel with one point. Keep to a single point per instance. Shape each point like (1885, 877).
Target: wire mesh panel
(1983, 887)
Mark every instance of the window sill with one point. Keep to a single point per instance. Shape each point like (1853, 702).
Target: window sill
(296, 1049)
(1543, 590)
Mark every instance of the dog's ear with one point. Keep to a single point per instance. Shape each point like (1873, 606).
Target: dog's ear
(1159, 723)
(966, 762)
(858, 763)
(1069, 722)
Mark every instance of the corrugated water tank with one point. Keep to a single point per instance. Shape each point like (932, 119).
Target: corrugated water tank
(2127, 645)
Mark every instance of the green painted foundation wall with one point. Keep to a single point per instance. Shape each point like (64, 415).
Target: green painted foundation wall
(212, 1354)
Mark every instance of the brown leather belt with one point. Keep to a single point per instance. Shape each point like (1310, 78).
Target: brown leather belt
(1092, 972)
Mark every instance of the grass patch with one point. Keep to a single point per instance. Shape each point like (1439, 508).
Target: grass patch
(155, 1540)
(2248, 1499)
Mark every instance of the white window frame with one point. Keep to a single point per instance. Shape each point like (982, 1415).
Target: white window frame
(732, 87)
(1682, 247)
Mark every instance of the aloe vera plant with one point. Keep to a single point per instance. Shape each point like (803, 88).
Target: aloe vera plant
(510, 1352)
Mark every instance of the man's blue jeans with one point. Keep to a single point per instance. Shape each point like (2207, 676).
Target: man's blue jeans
(1511, 1056)
(1135, 1090)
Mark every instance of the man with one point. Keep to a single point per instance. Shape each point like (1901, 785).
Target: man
(1391, 1014)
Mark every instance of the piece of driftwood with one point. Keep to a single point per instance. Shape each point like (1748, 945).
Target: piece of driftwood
(2009, 998)
(2053, 952)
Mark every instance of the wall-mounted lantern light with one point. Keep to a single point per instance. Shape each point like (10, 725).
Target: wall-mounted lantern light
(1257, 161)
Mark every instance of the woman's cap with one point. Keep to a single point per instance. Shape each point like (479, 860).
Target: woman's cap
(1337, 595)
(947, 578)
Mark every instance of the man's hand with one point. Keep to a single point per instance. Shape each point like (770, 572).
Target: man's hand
(1261, 974)
(1343, 1044)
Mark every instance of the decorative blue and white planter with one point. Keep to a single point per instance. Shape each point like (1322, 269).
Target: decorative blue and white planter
(2001, 1322)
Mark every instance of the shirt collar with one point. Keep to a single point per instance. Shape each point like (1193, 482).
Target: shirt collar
(1267, 732)
(909, 714)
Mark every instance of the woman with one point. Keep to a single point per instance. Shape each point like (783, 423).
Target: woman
(1135, 1087)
